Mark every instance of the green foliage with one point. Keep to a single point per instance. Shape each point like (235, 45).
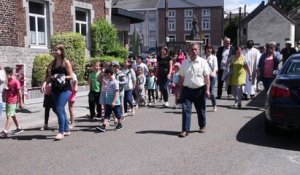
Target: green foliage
(74, 44)
(40, 63)
(231, 32)
(105, 40)
(286, 5)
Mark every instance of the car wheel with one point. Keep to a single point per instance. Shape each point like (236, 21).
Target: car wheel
(270, 129)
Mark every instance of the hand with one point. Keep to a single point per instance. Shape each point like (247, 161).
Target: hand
(43, 88)
(21, 105)
(169, 76)
(213, 74)
(207, 94)
(113, 104)
(250, 78)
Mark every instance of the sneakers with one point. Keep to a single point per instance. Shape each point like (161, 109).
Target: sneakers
(3, 134)
(119, 126)
(59, 136)
(133, 111)
(45, 127)
(214, 109)
(166, 104)
(67, 133)
(101, 128)
(71, 126)
(17, 131)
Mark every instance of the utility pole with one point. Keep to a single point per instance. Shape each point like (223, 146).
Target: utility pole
(239, 28)
(166, 21)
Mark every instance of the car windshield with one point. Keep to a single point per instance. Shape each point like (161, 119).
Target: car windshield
(294, 68)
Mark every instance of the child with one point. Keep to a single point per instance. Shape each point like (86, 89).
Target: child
(12, 97)
(175, 84)
(47, 103)
(103, 81)
(95, 90)
(151, 86)
(74, 89)
(140, 87)
(2, 84)
(112, 101)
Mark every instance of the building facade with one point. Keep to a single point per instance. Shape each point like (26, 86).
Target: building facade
(27, 26)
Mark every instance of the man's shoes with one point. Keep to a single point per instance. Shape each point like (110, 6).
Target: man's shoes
(17, 131)
(101, 128)
(202, 130)
(3, 134)
(218, 97)
(166, 104)
(119, 126)
(183, 134)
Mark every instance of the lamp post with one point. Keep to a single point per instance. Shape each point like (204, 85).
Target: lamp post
(166, 21)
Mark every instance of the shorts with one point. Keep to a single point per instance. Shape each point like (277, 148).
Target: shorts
(72, 96)
(11, 109)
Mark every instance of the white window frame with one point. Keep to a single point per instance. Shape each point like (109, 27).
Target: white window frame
(206, 12)
(188, 24)
(171, 14)
(185, 36)
(86, 22)
(205, 24)
(152, 26)
(36, 16)
(206, 39)
(171, 24)
(172, 38)
(189, 13)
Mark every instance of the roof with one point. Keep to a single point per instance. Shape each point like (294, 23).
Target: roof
(134, 17)
(260, 8)
(135, 4)
(191, 3)
(295, 13)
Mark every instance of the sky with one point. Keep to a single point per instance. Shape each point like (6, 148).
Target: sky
(233, 5)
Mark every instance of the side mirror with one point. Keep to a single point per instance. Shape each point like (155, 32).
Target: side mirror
(275, 72)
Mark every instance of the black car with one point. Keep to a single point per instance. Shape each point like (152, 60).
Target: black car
(283, 98)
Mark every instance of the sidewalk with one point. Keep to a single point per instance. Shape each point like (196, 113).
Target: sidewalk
(33, 113)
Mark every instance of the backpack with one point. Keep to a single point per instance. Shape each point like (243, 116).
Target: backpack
(122, 79)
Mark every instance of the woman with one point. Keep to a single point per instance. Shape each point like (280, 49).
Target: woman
(239, 67)
(163, 73)
(268, 62)
(60, 75)
(213, 64)
(129, 86)
(181, 56)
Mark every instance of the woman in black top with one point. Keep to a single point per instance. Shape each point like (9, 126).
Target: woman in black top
(163, 73)
(60, 75)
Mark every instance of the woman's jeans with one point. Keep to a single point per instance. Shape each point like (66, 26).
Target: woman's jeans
(127, 99)
(212, 90)
(60, 100)
(164, 88)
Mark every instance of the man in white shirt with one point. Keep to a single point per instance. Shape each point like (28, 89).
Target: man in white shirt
(252, 58)
(194, 79)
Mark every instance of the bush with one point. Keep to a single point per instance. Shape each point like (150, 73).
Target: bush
(74, 49)
(40, 63)
(105, 40)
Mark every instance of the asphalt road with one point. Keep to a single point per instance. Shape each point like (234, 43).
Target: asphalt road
(234, 144)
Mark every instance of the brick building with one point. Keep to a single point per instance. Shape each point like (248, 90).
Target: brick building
(26, 26)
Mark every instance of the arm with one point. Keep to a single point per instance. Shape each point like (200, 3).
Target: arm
(170, 70)
(248, 71)
(21, 102)
(48, 76)
(207, 84)
(69, 70)
(133, 76)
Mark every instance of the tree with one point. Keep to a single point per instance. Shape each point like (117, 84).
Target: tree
(286, 5)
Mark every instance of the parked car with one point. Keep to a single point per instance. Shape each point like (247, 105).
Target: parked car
(283, 98)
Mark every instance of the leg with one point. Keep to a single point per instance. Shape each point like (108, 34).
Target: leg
(71, 110)
(98, 105)
(234, 93)
(220, 83)
(239, 90)
(125, 101)
(200, 105)
(186, 110)
(91, 104)
(47, 114)
(212, 91)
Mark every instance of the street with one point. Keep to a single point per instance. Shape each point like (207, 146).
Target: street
(235, 144)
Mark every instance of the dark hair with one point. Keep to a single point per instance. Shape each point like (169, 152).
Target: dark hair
(8, 70)
(109, 71)
(166, 49)
(236, 48)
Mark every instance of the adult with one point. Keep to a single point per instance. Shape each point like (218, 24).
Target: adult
(252, 56)
(223, 54)
(287, 51)
(2, 84)
(195, 85)
(163, 73)
(129, 86)
(268, 62)
(239, 66)
(60, 75)
(213, 64)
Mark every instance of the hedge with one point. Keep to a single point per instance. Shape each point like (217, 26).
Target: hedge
(74, 44)
(40, 63)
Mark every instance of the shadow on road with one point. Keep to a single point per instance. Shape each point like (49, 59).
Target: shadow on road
(170, 133)
(32, 137)
(253, 133)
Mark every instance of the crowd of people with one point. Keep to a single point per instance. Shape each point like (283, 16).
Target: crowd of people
(119, 90)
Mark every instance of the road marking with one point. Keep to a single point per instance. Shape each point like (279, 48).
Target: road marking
(294, 159)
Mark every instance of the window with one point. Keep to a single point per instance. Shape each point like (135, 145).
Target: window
(188, 13)
(187, 37)
(172, 38)
(81, 21)
(188, 24)
(152, 43)
(37, 22)
(205, 12)
(171, 14)
(206, 39)
(244, 31)
(171, 24)
(152, 26)
(205, 24)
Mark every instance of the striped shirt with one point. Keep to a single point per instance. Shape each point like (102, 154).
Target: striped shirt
(112, 88)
